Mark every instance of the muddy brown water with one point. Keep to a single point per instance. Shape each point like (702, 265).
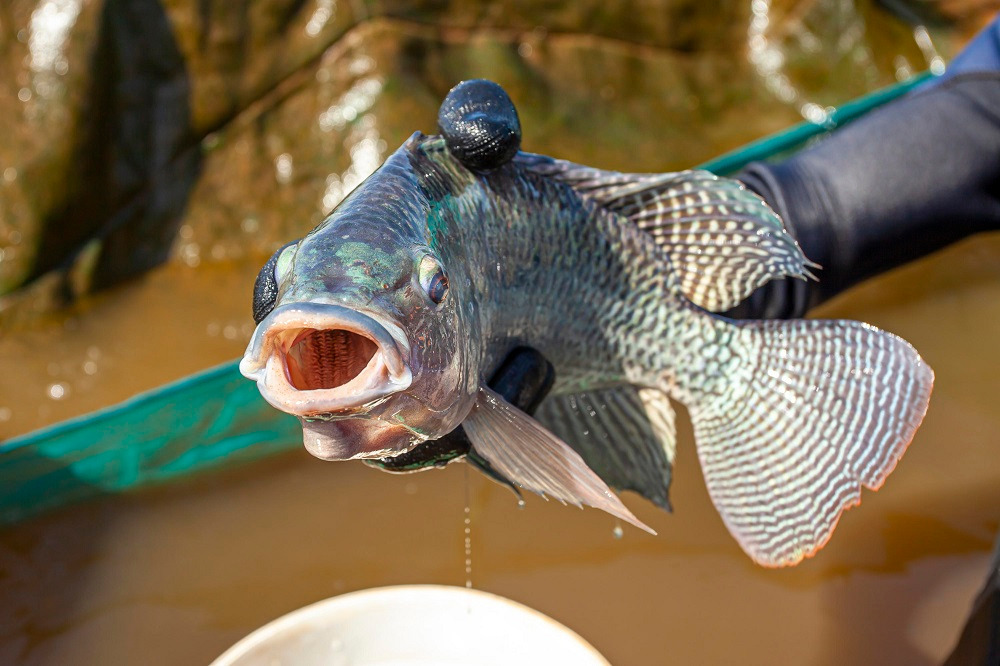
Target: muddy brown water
(174, 575)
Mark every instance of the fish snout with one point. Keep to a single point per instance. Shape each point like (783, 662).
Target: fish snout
(312, 359)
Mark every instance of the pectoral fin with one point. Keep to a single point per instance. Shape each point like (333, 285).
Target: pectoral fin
(520, 449)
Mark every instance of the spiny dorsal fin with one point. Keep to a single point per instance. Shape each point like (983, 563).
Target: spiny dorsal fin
(723, 240)
(520, 449)
(625, 434)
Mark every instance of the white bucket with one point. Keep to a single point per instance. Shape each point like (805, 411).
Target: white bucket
(412, 625)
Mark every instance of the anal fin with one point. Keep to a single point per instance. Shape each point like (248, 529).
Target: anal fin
(521, 450)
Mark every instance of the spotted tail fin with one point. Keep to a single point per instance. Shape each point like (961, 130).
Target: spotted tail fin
(819, 409)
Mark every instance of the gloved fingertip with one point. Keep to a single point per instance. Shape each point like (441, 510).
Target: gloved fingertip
(524, 378)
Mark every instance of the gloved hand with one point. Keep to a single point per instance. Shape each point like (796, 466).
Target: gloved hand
(905, 180)
(979, 642)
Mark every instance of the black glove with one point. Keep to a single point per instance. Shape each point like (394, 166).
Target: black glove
(979, 643)
(904, 181)
(523, 379)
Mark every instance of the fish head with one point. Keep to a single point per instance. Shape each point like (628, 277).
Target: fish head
(370, 340)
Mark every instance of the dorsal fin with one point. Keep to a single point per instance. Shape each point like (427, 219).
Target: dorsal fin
(625, 434)
(723, 240)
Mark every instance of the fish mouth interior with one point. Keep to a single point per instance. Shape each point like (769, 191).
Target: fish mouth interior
(326, 358)
(322, 359)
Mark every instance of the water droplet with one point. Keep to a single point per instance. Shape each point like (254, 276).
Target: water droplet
(5, 413)
(9, 175)
(50, 26)
(89, 367)
(324, 10)
(283, 168)
(520, 504)
(57, 391)
(617, 532)
(468, 533)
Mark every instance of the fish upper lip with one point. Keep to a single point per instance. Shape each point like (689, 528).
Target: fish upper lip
(264, 361)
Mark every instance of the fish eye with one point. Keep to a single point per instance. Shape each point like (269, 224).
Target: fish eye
(432, 279)
(265, 287)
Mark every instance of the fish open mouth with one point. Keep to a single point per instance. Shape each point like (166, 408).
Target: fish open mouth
(314, 359)
(327, 358)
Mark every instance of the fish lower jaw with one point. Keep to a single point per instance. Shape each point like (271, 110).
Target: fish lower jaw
(372, 384)
(356, 439)
(321, 451)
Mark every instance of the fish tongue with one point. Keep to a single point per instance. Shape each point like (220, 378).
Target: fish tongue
(520, 449)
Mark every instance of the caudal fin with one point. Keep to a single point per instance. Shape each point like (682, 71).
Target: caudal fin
(819, 409)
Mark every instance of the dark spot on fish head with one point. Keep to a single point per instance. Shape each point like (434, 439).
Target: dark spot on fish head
(266, 286)
(480, 125)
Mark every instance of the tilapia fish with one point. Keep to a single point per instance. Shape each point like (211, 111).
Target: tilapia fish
(378, 328)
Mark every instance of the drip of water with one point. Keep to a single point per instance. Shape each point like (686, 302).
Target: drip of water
(468, 532)
(617, 531)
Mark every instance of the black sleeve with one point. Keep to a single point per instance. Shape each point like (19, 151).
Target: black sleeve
(904, 181)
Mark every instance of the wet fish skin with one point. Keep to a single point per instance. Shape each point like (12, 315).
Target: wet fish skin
(364, 256)
(540, 266)
(791, 418)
